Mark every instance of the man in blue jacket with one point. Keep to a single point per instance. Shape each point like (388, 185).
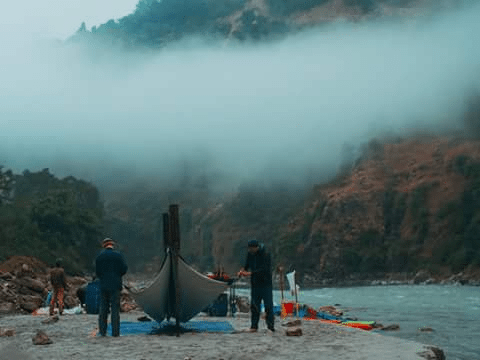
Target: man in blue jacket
(259, 267)
(110, 266)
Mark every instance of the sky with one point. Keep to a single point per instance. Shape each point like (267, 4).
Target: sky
(278, 112)
(61, 18)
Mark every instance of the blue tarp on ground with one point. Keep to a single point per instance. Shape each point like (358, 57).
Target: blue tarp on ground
(165, 327)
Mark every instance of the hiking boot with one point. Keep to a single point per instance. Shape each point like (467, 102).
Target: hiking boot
(252, 330)
(271, 328)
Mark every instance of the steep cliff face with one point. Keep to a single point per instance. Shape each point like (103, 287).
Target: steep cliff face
(406, 205)
(403, 207)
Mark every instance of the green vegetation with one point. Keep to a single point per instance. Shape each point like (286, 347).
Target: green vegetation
(288, 7)
(155, 23)
(259, 205)
(49, 218)
(419, 212)
(367, 255)
(463, 217)
(472, 114)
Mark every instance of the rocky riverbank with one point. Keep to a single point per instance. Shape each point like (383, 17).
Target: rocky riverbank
(73, 337)
(24, 287)
(422, 277)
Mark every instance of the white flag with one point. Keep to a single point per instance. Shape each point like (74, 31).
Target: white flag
(291, 283)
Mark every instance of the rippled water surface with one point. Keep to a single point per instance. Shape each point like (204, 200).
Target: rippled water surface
(453, 312)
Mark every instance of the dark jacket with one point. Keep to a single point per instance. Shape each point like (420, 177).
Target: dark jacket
(110, 266)
(57, 278)
(260, 265)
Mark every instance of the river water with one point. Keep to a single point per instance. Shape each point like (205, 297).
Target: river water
(453, 312)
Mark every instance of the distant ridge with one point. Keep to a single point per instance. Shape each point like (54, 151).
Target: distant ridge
(155, 24)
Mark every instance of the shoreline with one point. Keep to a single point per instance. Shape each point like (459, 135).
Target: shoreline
(420, 278)
(72, 338)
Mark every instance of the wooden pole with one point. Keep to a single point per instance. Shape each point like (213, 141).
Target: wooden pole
(280, 272)
(174, 232)
(167, 249)
(296, 296)
(166, 235)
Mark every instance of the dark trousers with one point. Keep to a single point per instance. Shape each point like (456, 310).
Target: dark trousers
(109, 301)
(259, 294)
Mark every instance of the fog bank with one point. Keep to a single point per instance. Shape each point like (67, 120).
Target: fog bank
(277, 112)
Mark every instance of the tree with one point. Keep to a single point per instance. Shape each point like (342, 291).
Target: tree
(6, 183)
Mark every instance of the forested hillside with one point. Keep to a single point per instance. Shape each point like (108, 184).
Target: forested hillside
(155, 24)
(47, 217)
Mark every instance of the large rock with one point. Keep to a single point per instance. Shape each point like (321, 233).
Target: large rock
(76, 281)
(51, 319)
(432, 353)
(32, 284)
(7, 308)
(41, 338)
(7, 294)
(392, 327)
(7, 332)
(421, 277)
(294, 331)
(70, 301)
(30, 303)
(6, 276)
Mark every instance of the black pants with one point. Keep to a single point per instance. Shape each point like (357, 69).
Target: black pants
(109, 300)
(259, 294)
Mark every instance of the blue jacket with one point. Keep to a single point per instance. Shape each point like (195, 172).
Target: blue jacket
(260, 265)
(110, 266)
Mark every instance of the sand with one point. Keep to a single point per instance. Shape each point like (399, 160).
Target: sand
(72, 339)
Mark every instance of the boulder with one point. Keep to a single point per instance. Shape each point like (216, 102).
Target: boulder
(421, 277)
(51, 319)
(7, 295)
(6, 276)
(76, 281)
(7, 308)
(22, 290)
(294, 331)
(296, 322)
(392, 327)
(7, 332)
(41, 338)
(32, 284)
(432, 353)
(426, 329)
(30, 303)
(70, 301)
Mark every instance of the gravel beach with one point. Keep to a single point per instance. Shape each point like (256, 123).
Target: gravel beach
(73, 338)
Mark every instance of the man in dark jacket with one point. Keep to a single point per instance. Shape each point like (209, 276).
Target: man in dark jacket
(259, 267)
(110, 266)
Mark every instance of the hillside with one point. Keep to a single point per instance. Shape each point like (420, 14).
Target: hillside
(154, 24)
(407, 205)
